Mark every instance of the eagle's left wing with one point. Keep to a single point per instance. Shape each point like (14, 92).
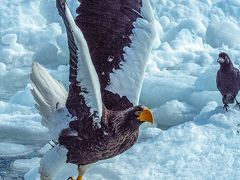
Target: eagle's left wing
(84, 90)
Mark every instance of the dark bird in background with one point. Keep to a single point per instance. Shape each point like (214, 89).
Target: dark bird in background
(109, 42)
(228, 80)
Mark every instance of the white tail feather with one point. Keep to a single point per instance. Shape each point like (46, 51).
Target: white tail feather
(50, 97)
(52, 162)
(48, 93)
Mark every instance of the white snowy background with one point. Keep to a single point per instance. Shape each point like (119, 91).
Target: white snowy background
(193, 138)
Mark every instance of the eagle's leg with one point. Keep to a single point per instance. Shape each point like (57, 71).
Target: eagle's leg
(237, 103)
(81, 171)
(225, 107)
(79, 178)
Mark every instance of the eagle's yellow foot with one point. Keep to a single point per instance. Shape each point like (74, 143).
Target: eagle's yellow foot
(78, 178)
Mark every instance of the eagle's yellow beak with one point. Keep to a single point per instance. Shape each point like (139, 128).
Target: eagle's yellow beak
(145, 115)
(78, 178)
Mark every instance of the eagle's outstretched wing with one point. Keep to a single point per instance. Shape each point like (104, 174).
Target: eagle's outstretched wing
(84, 96)
(119, 34)
(218, 81)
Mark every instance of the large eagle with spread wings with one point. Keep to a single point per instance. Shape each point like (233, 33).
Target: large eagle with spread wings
(109, 42)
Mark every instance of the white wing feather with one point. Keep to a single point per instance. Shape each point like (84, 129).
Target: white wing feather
(127, 81)
(87, 75)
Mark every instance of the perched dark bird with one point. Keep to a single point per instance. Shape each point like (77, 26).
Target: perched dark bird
(228, 80)
(109, 43)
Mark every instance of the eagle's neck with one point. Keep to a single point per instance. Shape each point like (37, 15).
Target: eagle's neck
(227, 67)
(114, 102)
(120, 121)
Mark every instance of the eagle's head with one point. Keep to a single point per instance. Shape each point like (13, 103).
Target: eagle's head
(130, 119)
(223, 59)
(138, 115)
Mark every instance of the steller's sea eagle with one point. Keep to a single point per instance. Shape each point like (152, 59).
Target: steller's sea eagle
(109, 42)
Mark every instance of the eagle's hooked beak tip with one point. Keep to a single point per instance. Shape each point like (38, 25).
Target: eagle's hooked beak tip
(145, 115)
(220, 60)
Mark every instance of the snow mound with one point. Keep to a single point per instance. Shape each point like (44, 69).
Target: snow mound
(223, 33)
(22, 127)
(23, 97)
(12, 149)
(25, 164)
(172, 113)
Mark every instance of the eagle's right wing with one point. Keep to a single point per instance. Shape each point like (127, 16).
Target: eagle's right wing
(120, 34)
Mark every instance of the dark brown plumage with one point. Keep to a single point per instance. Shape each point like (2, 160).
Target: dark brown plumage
(106, 26)
(119, 131)
(228, 80)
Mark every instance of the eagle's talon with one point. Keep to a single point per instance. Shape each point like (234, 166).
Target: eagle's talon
(70, 178)
(225, 107)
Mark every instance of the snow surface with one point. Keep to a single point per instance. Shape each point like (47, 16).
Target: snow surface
(13, 149)
(25, 164)
(198, 140)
